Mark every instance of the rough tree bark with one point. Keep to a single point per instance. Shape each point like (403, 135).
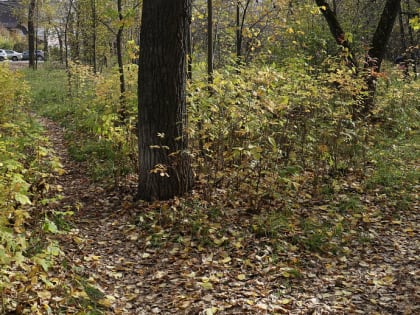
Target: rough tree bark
(164, 163)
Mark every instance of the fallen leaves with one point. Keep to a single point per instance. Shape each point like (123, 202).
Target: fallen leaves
(347, 255)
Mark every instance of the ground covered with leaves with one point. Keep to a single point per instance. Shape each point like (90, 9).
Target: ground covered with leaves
(297, 208)
(354, 251)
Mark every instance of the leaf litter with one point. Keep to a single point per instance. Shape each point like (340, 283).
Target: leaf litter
(190, 256)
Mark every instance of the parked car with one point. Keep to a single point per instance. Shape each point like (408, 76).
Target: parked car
(38, 53)
(3, 55)
(13, 55)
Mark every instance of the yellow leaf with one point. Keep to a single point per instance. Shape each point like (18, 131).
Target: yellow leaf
(237, 244)
(241, 277)
(211, 310)
(226, 260)
(91, 258)
(78, 240)
(206, 285)
(409, 231)
(107, 301)
(46, 295)
(285, 301)
(366, 219)
(79, 294)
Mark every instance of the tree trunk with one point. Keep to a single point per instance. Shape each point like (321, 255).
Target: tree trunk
(413, 45)
(402, 31)
(382, 34)
(337, 32)
(31, 33)
(164, 170)
(94, 36)
(240, 24)
(122, 112)
(210, 41)
(376, 55)
(60, 44)
(46, 47)
(238, 32)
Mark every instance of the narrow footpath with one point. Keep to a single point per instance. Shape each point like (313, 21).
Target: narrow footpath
(139, 277)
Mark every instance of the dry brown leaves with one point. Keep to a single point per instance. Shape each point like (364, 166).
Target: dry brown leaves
(164, 258)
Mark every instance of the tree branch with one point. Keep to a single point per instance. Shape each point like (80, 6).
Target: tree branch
(336, 30)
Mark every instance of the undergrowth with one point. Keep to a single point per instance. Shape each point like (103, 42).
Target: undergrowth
(32, 280)
(275, 144)
(86, 105)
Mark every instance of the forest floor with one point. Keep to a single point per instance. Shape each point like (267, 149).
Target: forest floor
(144, 263)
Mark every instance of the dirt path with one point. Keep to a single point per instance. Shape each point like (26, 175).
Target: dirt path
(143, 277)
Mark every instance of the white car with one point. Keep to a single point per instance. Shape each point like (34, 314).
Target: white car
(13, 55)
(3, 55)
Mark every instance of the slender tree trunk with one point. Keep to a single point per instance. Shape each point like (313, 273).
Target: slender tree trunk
(413, 44)
(337, 32)
(164, 163)
(31, 33)
(60, 44)
(76, 34)
(46, 48)
(240, 24)
(210, 41)
(376, 54)
(238, 32)
(94, 36)
(382, 34)
(66, 44)
(66, 34)
(122, 112)
(402, 32)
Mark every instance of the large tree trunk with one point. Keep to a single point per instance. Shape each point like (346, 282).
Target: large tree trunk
(165, 169)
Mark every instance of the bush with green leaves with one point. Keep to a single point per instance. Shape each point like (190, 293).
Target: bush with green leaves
(26, 164)
(30, 255)
(252, 124)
